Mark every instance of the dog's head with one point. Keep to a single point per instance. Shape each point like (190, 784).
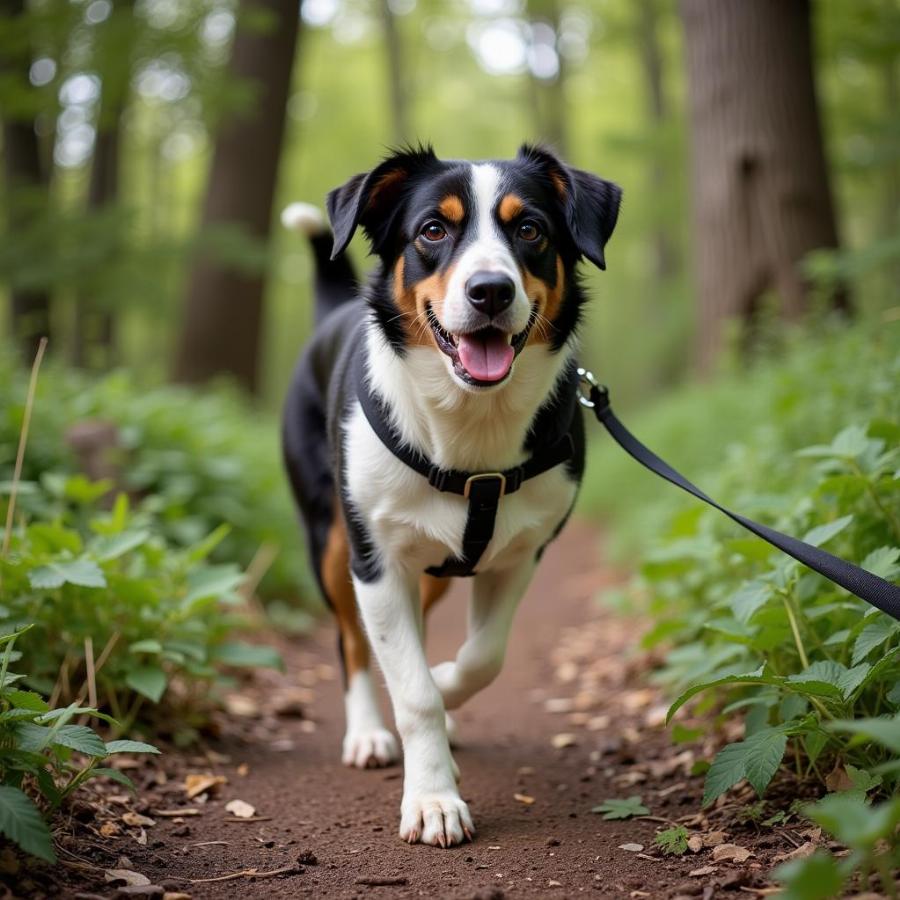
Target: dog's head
(478, 258)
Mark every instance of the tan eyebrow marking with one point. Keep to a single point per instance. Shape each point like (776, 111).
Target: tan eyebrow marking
(451, 208)
(510, 207)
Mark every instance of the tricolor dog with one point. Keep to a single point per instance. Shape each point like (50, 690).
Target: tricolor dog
(432, 429)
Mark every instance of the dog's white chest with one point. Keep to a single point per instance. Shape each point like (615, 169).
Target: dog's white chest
(416, 526)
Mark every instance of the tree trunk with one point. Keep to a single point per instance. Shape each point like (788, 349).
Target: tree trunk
(652, 66)
(762, 199)
(395, 59)
(548, 94)
(23, 170)
(223, 323)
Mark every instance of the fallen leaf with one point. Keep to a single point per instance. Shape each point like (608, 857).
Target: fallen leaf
(196, 784)
(524, 798)
(243, 769)
(632, 848)
(136, 819)
(126, 875)
(695, 843)
(240, 809)
(800, 852)
(563, 740)
(110, 829)
(838, 779)
(731, 852)
(714, 838)
(705, 870)
(176, 895)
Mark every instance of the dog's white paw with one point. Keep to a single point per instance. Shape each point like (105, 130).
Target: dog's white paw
(370, 749)
(440, 819)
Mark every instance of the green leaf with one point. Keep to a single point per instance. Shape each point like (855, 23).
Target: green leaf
(672, 841)
(81, 739)
(27, 700)
(238, 653)
(883, 562)
(130, 747)
(757, 677)
(824, 533)
(114, 775)
(884, 730)
(872, 637)
(146, 646)
(749, 599)
(109, 547)
(148, 681)
(213, 583)
(81, 572)
(757, 759)
(21, 822)
(616, 808)
(818, 877)
(853, 821)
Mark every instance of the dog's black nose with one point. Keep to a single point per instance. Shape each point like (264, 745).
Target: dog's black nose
(490, 292)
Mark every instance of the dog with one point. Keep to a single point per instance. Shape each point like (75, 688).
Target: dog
(432, 429)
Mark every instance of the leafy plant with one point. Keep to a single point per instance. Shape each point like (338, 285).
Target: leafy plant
(45, 754)
(616, 808)
(673, 841)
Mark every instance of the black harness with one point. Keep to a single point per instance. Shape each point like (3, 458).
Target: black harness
(483, 490)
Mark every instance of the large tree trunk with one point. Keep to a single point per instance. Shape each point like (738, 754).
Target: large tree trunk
(395, 59)
(762, 199)
(652, 67)
(23, 169)
(223, 324)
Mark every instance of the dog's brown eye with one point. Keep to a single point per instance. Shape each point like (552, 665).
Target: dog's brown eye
(529, 231)
(433, 231)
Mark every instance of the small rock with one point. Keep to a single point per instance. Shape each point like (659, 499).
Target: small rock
(307, 858)
(553, 842)
(176, 895)
(632, 848)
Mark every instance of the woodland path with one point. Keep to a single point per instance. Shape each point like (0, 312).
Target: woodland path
(572, 668)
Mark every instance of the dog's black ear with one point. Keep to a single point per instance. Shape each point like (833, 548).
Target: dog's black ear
(373, 199)
(591, 204)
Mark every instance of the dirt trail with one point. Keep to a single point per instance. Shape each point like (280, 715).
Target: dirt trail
(348, 819)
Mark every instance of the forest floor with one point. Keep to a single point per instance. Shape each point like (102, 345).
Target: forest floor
(569, 724)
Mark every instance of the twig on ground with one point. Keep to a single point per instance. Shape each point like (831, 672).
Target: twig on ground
(377, 881)
(247, 873)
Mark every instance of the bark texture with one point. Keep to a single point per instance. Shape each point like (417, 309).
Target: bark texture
(23, 169)
(761, 193)
(224, 315)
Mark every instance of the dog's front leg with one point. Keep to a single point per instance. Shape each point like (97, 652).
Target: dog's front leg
(432, 810)
(495, 598)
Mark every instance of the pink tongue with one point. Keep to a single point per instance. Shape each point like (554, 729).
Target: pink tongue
(486, 356)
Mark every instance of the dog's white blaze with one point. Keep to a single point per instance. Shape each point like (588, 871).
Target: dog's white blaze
(488, 252)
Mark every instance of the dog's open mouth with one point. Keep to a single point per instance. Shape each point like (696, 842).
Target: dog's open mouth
(482, 357)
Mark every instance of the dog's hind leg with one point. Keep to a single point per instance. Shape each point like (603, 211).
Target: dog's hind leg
(367, 741)
(495, 598)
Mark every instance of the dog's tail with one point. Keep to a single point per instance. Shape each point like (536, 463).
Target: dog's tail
(335, 281)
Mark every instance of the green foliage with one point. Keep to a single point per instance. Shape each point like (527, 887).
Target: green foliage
(617, 808)
(192, 461)
(153, 611)
(673, 841)
(808, 664)
(44, 756)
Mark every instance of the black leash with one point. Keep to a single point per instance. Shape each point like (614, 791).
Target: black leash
(880, 593)
(483, 490)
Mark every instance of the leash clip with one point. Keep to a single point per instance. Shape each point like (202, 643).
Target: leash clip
(596, 395)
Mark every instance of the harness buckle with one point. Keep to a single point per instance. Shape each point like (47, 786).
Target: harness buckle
(485, 476)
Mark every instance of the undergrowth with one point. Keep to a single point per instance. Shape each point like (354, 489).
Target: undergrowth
(746, 631)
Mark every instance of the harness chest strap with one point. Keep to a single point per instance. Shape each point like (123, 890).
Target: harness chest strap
(483, 490)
